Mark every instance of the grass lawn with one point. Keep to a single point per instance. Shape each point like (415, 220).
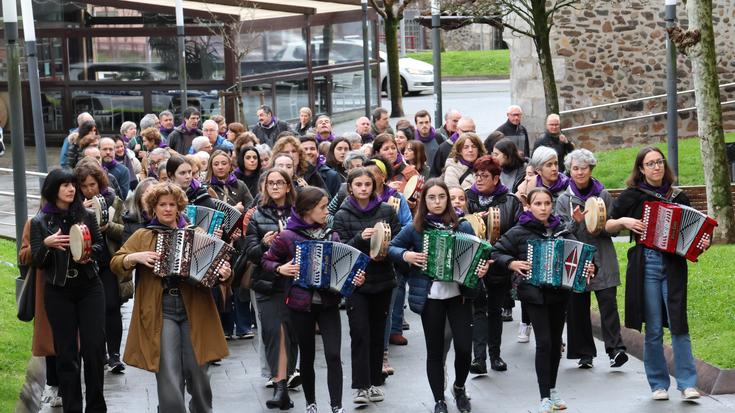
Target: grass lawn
(15, 336)
(615, 165)
(711, 308)
(471, 63)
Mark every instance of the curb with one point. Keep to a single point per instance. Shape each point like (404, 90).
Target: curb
(710, 379)
(462, 78)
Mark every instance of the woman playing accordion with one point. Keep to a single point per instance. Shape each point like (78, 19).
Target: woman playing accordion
(435, 300)
(173, 328)
(655, 280)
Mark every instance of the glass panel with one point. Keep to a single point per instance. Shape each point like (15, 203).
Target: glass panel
(109, 108)
(53, 116)
(291, 95)
(254, 96)
(348, 91)
(273, 51)
(206, 101)
(337, 43)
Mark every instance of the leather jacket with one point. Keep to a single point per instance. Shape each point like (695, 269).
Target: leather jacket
(56, 263)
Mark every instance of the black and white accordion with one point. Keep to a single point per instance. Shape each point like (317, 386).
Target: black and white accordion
(191, 255)
(232, 218)
(206, 218)
(560, 263)
(454, 256)
(676, 229)
(329, 265)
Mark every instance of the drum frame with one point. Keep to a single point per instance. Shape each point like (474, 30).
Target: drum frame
(86, 243)
(597, 205)
(492, 224)
(101, 210)
(379, 247)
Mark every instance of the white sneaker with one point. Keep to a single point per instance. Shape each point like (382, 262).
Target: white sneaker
(56, 401)
(361, 396)
(660, 394)
(556, 400)
(690, 393)
(375, 394)
(524, 332)
(49, 392)
(311, 408)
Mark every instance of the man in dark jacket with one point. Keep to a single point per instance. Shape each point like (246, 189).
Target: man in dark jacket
(180, 139)
(118, 170)
(268, 127)
(381, 123)
(427, 135)
(513, 130)
(554, 139)
(451, 119)
(465, 124)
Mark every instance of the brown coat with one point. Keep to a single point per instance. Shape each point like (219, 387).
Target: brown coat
(143, 347)
(43, 338)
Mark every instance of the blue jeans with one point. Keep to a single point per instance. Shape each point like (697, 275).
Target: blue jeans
(655, 290)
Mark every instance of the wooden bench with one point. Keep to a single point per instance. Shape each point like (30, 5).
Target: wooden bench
(697, 195)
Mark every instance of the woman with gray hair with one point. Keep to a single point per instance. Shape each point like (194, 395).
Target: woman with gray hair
(571, 209)
(546, 164)
(354, 139)
(265, 153)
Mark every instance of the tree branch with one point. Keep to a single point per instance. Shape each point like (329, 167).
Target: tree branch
(379, 10)
(401, 8)
(519, 31)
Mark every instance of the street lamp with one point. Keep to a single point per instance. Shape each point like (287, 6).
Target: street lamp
(436, 51)
(672, 116)
(366, 56)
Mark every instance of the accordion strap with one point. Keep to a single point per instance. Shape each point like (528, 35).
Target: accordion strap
(673, 193)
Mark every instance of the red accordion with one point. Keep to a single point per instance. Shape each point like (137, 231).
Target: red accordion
(676, 229)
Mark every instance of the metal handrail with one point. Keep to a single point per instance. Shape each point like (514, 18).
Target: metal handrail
(623, 102)
(650, 115)
(31, 173)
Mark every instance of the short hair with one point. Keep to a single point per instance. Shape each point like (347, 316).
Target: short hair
(263, 149)
(511, 107)
(493, 138)
(381, 140)
(265, 108)
(173, 163)
(541, 155)
(237, 128)
(161, 189)
(449, 112)
(84, 117)
(582, 156)
(246, 138)
(457, 147)
(407, 128)
(265, 198)
(165, 154)
(553, 116)
(308, 198)
(147, 121)
(210, 122)
(198, 142)
(165, 113)
(378, 113)
(351, 156)
(323, 116)
(421, 114)
(352, 137)
(191, 111)
(305, 110)
(487, 163)
(151, 134)
(218, 119)
(85, 169)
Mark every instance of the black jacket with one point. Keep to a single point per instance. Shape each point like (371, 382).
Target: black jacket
(269, 135)
(264, 220)
(200, 196)
(562, 149)
(513, 246)
(180, 139)
(232, 194)
(55, 262)
(130, 225)
(630, 204)
(312, 178)
(331, 179)
(349, 224)
(251, 181)
(440, 158)
(517, 134)
(510, 207)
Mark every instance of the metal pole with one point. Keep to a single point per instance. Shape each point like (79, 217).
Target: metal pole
(436, 51)
(402, 29)
(29, 35)
(366, 56)
(10, 17)
(672, 117)
(182, 53)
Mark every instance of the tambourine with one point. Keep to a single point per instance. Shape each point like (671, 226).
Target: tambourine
(395, 202)
(379, 241)
(478, 224)
(101, 210)
(412, 189)
(596, 215)
(493, 224)
(80, 242)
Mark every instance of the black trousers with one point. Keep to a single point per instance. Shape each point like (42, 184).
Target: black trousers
(52, 378)
(78, 310)
(458, 312)
(487, 330)
(579, 327)
(113, 316)
(331, 331)
(548, 324)
(367, 314)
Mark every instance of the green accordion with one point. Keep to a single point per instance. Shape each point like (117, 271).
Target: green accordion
(454, 256)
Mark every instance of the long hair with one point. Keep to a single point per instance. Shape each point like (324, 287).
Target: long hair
(303, 165)
(419, 154)
(83, 170)
(332, 159)
(215, 154)
(308, 198)
(449, 217)
(508, 148)
(356, 173)
(50, 191)
(636, 176)
(136, 206)
(241, 158)
(265, 197)
(456, 152)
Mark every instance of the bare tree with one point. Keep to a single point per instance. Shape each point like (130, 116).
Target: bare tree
(698, 43)
(392, 13)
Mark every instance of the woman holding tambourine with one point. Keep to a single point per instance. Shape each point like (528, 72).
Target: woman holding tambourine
(436, 301)
(583, 206)
(93, 184)
(656, 280)
(65, 238)
(171, 331)
(546, 306)
(367, 308)
(309, 307)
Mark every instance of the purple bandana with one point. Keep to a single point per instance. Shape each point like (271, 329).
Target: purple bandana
(454, 137)
(295, 222)
(561, 183)
(329, 138)
(374, 202)
(527, 217)
(594, 187)
(432, 136)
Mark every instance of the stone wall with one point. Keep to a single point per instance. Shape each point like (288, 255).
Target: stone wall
(610, 51)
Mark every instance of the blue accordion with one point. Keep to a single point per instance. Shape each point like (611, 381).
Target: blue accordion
(560, 263)
(329, 265)
(207, 219)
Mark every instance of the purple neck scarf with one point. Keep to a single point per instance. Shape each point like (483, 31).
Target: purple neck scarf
(432, 135)
(193, 130)
(229, 181)
(500, 189)
(594, 187)
(387, 193)
(194, 185)
(561, 183)
(453, 137)
(165, 131)
(367, 138)
(527, 217)
(180, 223)
(296, 223)
(662, 190)
(459, 212)
(109, 165)
(49, 208)
(374, 203)
(274, 120)
(466, 163)
(320, 160)
(399, 160)
(329, 138)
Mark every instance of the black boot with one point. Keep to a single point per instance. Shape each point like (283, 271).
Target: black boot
(280, 398)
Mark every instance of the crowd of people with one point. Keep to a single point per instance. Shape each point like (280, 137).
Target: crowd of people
(306, 182)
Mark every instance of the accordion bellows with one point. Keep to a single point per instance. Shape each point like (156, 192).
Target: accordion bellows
(231, 218)
(559, 263)
(191, 255)
(454, 256)
(207, 219)
(329, 265)
(676, 229)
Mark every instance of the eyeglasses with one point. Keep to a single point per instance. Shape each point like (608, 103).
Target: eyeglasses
(482, 177)
(650, 165)
(276, 184)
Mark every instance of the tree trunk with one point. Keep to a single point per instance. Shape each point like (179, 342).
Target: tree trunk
(709, 120)
(542, 31)
(394, 76)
